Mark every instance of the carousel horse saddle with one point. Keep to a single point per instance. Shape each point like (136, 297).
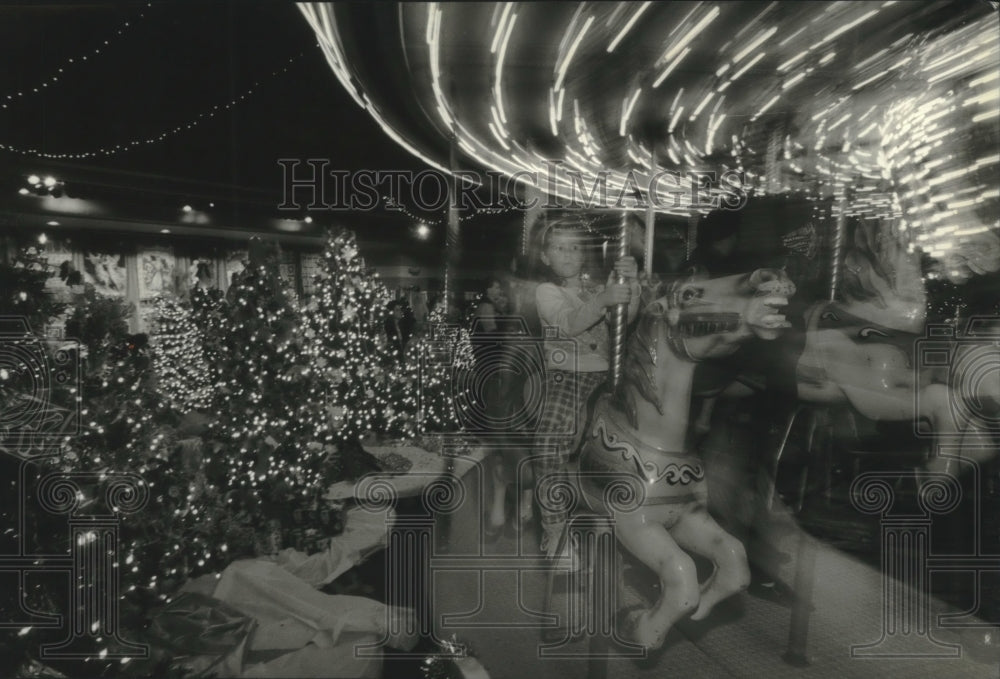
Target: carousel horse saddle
(863, 331)
(615, 463)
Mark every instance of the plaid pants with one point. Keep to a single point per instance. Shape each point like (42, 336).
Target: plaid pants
(560, 431)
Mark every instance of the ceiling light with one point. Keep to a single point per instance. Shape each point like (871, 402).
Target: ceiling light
(33, 179)
(23, 191)
(164, 230)
(52, 223)
(187, 208)
(50, 182)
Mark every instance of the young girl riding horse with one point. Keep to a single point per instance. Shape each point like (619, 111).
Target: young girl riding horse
(577, 307)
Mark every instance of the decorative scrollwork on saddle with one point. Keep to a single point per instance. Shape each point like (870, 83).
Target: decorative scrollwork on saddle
(674, 474)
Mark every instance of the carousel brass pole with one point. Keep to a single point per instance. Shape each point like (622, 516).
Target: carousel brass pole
(650, 217)
(621, 312)
(452, 241)
(837, 246)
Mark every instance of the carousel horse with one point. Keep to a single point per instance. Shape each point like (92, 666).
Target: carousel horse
(861, 349)
(933, 141)
(640, 432)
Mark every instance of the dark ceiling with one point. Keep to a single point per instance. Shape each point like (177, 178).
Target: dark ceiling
(133, 71)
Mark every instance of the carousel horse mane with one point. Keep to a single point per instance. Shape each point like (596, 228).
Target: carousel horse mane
(663, 320)
(856, 284)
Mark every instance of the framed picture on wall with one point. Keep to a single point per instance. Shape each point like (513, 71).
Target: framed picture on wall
(106, 272)
(156, 269)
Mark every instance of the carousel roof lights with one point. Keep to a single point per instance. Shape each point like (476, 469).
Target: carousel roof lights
(937, 63)
(765, 107)
(798, 57)
(673, 121)
(677, 98)
(667, 71)
(848, 26)
(627, 105)
(561, 74)
(628, 26)
(691, 35)
(992, 75)
(793, 80)
(989, 95)
(499, 137)
(827, 58)
(746, 67)
(552, 114)
(754, 44)
(791, 37)
(985, 115)
(842, 120)
(722, 69)
(701, 107)
(958, 68)
(496, 119)
(498, 81)
(500, 27)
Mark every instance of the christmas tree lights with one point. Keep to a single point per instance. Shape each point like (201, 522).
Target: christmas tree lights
(179, 356)
(344, 326)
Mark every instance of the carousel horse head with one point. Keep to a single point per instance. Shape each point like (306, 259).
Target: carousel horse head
(695, 319)
(709, 317)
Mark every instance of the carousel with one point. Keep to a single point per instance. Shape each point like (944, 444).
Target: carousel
(859, 143)
(729, 405)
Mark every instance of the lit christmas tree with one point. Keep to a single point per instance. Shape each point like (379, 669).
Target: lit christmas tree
(22, 289)
(344, 327)
(271, 437)
(208, 308)
(179, 356)
(126, 428)
(437, 365)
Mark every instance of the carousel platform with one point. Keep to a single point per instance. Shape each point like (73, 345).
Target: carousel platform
(496, 609)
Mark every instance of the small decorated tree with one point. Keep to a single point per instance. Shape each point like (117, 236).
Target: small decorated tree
(344, 333)
(437, 363)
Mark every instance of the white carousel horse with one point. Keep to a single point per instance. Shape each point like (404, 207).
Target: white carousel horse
(641, 430)
(861, 349)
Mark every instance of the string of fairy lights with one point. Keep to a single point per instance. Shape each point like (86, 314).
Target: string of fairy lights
(207, 114)
(13, 98)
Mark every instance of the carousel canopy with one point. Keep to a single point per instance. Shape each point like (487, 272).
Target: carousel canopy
(891, 107)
